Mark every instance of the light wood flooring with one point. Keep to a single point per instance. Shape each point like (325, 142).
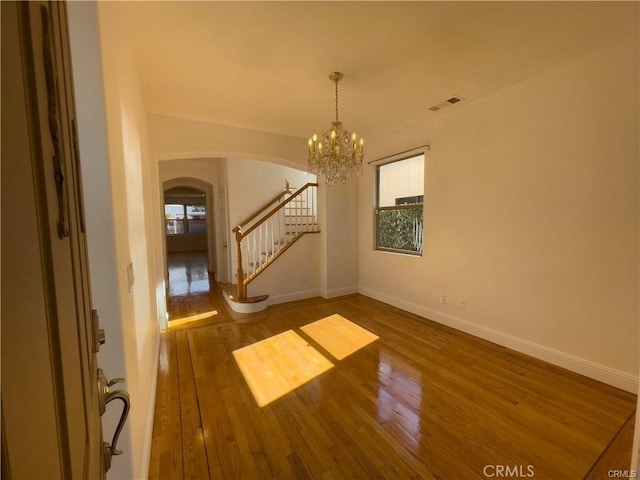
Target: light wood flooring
(421, 401)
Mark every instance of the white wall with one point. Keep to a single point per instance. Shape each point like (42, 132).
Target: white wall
(115, 164)
(531, 215)
(174, 138)
(252, 184)
(298, 178)
(294, 276)
(338, 219)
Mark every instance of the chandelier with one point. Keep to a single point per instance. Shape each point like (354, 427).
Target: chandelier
(339, 155)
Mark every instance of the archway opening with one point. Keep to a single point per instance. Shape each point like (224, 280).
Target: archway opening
(190, 271)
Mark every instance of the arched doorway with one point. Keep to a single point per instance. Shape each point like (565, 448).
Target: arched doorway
(189, 244)
(193, 189)
(185, 219)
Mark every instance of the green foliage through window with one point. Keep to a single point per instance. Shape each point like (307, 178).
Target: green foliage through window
(400, 229)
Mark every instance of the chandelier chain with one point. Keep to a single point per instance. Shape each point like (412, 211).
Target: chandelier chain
(337, 101)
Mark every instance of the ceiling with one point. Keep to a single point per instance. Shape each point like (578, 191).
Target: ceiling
(265, 65)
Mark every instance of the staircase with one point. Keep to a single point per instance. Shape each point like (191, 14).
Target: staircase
(264, 236)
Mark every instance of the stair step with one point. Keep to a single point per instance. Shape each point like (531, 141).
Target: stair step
(313, 217)
(295, 208)
(294, 213)
(301, 229)
(300, 222)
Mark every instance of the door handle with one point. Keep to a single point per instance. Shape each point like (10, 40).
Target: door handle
(106, 396)
(126, 404)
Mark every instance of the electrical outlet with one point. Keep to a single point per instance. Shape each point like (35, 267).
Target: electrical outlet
(443, 298)
(463, 303)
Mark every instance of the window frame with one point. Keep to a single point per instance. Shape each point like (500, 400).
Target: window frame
(406, 206)
(185, 220)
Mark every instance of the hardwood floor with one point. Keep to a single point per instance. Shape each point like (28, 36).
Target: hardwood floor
(421, 401)
(190, 291)
(617, 455)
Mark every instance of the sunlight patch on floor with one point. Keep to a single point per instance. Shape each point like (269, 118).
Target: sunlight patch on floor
(192, 318)
(278, 365)
(339, 336)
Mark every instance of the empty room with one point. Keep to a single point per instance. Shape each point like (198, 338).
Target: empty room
(337, 240)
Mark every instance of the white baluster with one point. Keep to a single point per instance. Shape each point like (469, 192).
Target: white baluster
(313, 209)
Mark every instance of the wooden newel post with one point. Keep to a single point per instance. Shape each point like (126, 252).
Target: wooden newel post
(242, 288)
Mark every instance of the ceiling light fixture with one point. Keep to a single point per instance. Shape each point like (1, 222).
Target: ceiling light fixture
(339, 155)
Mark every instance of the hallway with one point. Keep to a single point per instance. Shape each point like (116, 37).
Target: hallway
(192, 291)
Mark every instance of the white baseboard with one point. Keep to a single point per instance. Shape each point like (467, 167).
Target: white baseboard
(292, 297)
(602, 373)
(146, 452)
(304, 294)
(339, 292)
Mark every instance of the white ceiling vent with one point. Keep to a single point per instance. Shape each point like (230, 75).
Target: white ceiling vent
(446, 103)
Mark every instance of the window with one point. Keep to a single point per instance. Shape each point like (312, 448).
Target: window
(174, 219)
(180, 219)
(399, 208)
(196, 219)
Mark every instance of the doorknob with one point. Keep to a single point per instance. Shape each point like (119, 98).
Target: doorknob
(126, 404)
(109, 450)
(105, 396)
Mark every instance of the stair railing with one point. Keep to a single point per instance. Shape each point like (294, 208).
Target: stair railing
(271, 231)
(276, 199)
